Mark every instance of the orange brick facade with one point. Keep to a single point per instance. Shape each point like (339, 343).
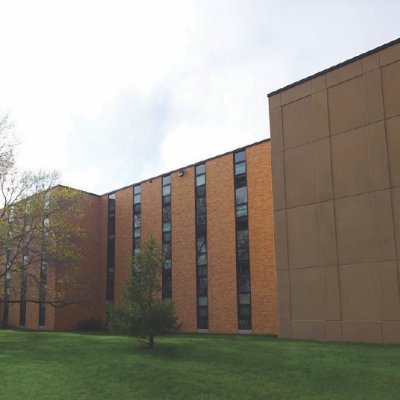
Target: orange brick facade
(221, 245)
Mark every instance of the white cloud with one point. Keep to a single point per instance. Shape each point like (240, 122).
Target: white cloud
(84, 79)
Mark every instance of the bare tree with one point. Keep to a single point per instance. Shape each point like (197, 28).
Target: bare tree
(39, 233)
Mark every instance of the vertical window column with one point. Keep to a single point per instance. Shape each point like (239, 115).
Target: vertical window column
(201, 248)
(44, 263)
(7, 275)
(137, 219)
(25, 263)
(166, 239)
(110, 248)
(242, 242)
(24, 284)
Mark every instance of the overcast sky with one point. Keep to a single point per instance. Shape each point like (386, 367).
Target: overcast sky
(112, 92)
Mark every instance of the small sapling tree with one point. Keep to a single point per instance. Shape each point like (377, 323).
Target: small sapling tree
(141, 311)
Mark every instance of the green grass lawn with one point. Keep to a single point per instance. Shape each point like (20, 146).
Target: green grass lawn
(41, 365)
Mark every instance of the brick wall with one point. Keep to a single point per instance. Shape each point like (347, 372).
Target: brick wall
(91, 292)
(222, 298)
(184, 249)
(123, 238)
(261, 238)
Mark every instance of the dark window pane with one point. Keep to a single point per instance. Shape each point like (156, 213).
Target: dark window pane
(241, 211)
(111, 247)
(111, 226)
(240, 156)
(244, 284)
(167, 251)
(166, 213)
(242, 224)
(202, 259)
(137, 219)
(201, 205)
(244, 299)
(166, 190)
(201, 220)
(166, 180)
(167, 289)
(201, 229)
(200, 169)
(202, 287)
(244, 311)
(240, 168)
(202, 301)
(167, 236)
(243, 254)
(167, 199)
(202, 312)
(243, 239)
(201, 191)
(240, 180)
(241, 195)
(244, 267)
(200, 180)
(202, 270)
(136, 208)
(201, 245)
(167, 274)
(137, 243)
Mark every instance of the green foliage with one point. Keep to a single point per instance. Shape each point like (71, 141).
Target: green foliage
(141, 311)
(39, 221)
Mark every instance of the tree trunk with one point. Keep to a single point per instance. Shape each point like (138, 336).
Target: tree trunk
(151, 342)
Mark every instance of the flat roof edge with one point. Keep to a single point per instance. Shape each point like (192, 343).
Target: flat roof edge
(189, 166)
(343, 63)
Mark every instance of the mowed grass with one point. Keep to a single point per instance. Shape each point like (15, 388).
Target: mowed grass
(42, 365)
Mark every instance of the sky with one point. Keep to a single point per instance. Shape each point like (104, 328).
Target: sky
(112, 92)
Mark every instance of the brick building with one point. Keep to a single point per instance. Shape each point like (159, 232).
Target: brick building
(214, 222)
(334, 218)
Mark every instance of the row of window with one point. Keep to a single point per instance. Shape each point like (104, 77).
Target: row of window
(166, 239)
(44, 267)
(24, 274)
(110, 248)
(137, 218)
(201, 248)
(242, 242)
(7, 276)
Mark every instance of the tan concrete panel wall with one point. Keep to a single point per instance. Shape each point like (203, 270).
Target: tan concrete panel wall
(222, 292)
(261, 239)
(184, 249)
(336, 201)
(123, 239)
(151, 210)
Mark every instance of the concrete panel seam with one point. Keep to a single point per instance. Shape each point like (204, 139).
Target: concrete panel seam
(390, 180)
